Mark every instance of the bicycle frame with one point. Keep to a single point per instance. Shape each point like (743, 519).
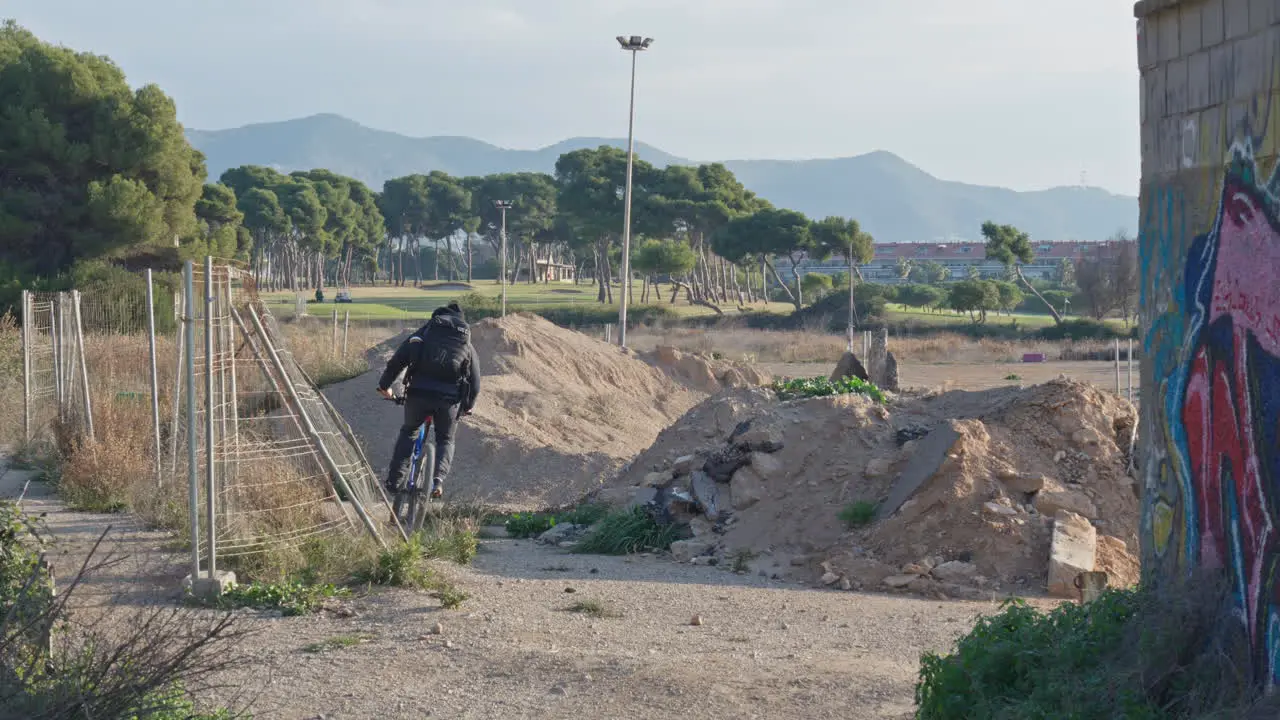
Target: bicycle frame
(411, 483)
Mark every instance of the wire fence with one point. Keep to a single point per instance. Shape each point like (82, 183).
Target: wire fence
(195, 393)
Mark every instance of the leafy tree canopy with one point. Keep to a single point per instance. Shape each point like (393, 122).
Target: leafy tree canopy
(91, 168)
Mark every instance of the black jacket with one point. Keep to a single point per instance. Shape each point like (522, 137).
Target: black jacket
(464, 392)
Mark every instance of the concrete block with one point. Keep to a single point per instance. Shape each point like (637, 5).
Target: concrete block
(1155, 95)
(1271, 143)
(1167, 33)
(1221, 74)
(1072, 550)
(209, 588)
(925, 461)
(1146, 31)
(1148, 147)
(1175, 87)
(1189, 25)
(1251, 59)
(1262, 14)
(1198, 81)
(1235, 18)
(1212, 30)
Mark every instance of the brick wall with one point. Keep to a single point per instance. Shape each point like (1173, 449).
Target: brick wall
(1209, 240)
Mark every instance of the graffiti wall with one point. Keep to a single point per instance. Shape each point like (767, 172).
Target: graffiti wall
(1210, 303)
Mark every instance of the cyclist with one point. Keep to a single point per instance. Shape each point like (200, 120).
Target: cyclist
(442, 380)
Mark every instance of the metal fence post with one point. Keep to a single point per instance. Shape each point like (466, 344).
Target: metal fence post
(1130, 369)
(26, 364)
(210, 439)
(155, 377)
(84, 365)
(55, 327)
(346, 330)
(230, 334)
(1117, 357)
(193, 489)
(334, 351)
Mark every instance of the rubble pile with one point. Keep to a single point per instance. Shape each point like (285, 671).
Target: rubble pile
(703, 372)
(956, 494)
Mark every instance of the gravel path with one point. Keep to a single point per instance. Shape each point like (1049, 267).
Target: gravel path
(765, 649)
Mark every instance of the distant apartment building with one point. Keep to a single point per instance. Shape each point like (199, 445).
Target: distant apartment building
(956, 257)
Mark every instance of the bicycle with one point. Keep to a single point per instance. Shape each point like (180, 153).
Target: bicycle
(407, 507)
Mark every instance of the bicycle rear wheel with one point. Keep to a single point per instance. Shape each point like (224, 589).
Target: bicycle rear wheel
(417, 511)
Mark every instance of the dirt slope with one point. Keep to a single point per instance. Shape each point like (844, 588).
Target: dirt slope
(558, 412)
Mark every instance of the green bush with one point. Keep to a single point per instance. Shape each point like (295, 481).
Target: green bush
(1137, 654)
(859, 514)
(290, 598)
(822, 387)
(627, 531)
(526, 525)
(1079, 329)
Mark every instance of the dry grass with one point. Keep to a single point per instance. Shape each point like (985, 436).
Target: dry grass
(769, 346)
(313, 346)
(10, 381)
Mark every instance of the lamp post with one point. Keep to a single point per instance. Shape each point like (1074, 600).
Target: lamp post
(503, 206)
(634, 45)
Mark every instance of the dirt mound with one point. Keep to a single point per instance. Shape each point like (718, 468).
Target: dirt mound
(705, 373)
(558, 411)
(953, 493)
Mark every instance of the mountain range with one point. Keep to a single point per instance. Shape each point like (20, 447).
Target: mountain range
(893, 200)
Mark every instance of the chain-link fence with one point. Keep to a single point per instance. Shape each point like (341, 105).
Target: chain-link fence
(194, 389)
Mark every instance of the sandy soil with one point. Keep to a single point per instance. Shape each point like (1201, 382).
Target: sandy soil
(982, 376)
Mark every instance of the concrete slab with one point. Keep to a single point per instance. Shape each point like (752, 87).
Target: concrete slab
(1072, 551)
(930, 452)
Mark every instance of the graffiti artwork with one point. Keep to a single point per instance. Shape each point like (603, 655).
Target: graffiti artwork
(1224, 404)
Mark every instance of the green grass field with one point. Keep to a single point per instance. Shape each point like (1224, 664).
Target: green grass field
(900, 313)
(394, 303)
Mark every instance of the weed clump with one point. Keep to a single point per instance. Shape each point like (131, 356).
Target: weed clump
(823, 387)
(626, 531)
(859, 514)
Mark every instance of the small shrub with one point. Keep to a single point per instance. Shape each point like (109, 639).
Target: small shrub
(741, 561)
(624, 532)
(449, 595)
(1080, 329)
(1013, 376)
(457, 545)
(337, 642)
(291, 598)
(822, 387)
(859, 514)
(586, 514)
(1138, 653)
(526, 525)
(594, 608)
(398, 566)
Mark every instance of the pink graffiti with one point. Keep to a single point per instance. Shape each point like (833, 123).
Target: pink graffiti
(1244, 281)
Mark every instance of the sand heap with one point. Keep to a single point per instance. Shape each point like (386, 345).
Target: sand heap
(967, 486)
(704, 372)
(558, 411)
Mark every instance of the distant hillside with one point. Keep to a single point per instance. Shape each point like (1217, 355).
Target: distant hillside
(893, 199)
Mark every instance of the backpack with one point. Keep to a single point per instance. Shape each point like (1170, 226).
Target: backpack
(443, 352)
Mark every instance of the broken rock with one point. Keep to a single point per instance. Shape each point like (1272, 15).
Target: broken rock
(686, 550)
(767, 466)
(707, 495)
(998, 509)
(1072, 550)
(900, 581)
(1052, 499)
(657, 479)
(849, 366)
(684, 465)
(746, 488)
(955, 571)
(760, 437)
(725, 462)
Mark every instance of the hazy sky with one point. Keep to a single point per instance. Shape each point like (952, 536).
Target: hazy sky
(1021, 93)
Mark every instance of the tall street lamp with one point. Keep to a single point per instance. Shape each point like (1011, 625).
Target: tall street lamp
(633, 45)
(503, 206)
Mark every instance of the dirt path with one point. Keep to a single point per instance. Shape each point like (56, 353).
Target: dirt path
(765, 649)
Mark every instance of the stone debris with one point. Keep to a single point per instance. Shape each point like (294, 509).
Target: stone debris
(966, 488)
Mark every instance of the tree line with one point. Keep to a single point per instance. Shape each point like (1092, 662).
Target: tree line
(95, 171)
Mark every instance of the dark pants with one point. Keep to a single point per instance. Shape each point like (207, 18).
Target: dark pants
(417, 409)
